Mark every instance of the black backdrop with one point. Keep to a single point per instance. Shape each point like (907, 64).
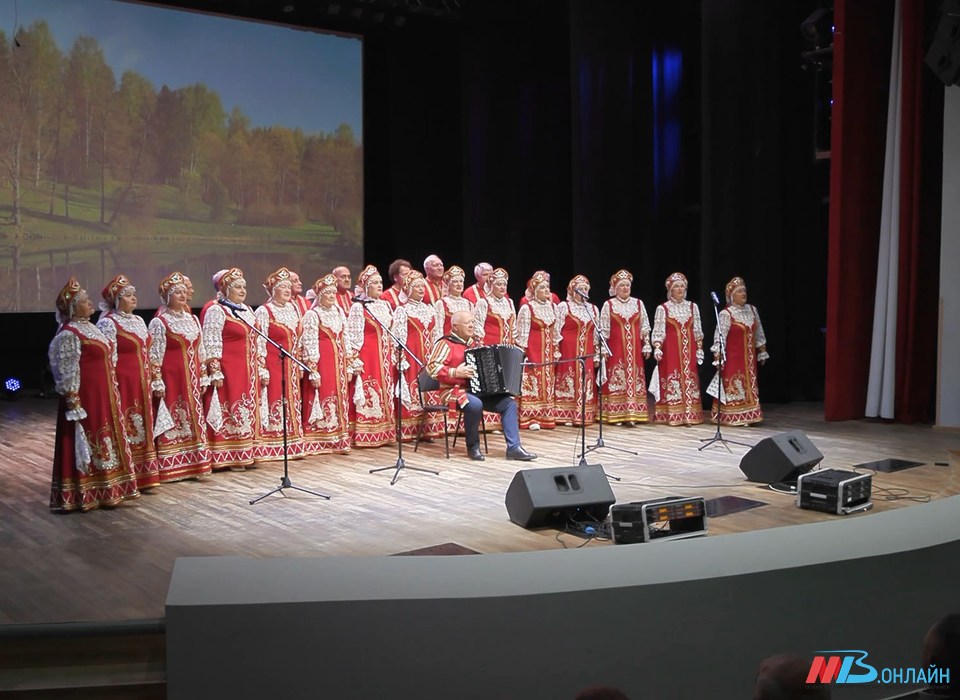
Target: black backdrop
(553, 126)
(528, 134)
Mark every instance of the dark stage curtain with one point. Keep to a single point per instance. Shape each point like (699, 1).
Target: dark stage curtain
(763, 212)
(919, 260)
(635, 79)
(516, 159)
(411, 133)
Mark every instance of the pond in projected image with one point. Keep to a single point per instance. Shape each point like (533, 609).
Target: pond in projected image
(141, 140)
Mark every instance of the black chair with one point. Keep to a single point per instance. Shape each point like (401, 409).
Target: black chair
(426, 383)
(483, 428)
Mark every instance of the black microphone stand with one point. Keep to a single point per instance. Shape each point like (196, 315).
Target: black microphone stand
(285, 482)
(721, 363)
(400, 464)
(601, 343)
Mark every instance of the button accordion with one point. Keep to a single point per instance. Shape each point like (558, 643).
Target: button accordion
(498, 370)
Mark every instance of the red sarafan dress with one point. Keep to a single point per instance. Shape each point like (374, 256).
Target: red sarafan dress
(537, 334)
(625, 325)
(176, 345)
(371, 351)
(433, 292)
(745, 344)
(326, 409)
(345, 301)
(136, 376)
(474, 293)
(92, 464)
(282, 324)
(678, 334)
(495, 321)
(393, 297)
(232, 411)
(575, 399)
(446, 308)
(415, 325)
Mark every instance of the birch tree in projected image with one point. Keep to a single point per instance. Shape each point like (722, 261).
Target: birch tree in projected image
(134, 142)
(97, 172)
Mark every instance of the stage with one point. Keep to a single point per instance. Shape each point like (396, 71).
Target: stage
(116, 564)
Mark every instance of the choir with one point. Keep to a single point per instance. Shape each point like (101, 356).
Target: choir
(188, 395)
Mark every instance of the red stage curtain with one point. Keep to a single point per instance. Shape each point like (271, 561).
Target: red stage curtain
(861, 72)
(919, 269)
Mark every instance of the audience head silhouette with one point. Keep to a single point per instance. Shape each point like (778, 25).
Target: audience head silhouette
(941, 647)
(601, 692)
(784, 677)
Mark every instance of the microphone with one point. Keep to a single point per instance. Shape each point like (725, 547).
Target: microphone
(230, 305)
(716, 299)
(360, 300)
(583, 295)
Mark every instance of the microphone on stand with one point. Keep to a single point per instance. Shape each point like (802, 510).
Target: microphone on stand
(230, 305)
(583, 295)
(716, 299)
(360, 300)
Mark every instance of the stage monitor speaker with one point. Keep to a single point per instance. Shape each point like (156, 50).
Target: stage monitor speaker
(556, 495)
(943, 57)
(782, 457)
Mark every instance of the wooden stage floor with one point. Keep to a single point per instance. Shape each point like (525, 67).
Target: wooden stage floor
(116, 564)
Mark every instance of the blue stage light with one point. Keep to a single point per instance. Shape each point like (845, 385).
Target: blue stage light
(12, 387)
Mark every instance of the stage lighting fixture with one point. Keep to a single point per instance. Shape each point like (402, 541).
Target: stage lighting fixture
(818, 28)
(12, 387)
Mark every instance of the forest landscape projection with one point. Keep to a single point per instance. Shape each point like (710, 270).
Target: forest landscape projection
(141, 140)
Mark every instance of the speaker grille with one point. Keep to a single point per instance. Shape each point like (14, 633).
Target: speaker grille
(554, 496)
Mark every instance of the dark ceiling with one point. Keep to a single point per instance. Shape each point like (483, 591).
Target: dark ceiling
(346, 16)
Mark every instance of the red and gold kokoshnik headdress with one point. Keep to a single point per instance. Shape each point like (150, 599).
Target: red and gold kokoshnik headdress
(618, 277)
(455, 271)
(577, 281)
(733, 285)
(114, 288)
(539, 277)
(169, 283)
(275, 278)
(223, 279)
(365, 278)
(676, 278)
(412, 276)
(68, 295)
(498, 275)
(326, 282)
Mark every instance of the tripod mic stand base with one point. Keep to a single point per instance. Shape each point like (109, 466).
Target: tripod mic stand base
(583, 463)
(600, 445)
(400, 466)
(719, 438)
(285, 483)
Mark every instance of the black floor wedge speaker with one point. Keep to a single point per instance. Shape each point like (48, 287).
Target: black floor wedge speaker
(780, 458)
(554, 496)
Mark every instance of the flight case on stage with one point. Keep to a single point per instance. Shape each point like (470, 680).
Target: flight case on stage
(834, 491)
(664, 518)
